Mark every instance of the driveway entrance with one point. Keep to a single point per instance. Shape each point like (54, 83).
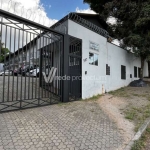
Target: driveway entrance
(72, 126)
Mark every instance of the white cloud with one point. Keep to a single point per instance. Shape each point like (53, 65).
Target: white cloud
(88, 11)
(30, 9)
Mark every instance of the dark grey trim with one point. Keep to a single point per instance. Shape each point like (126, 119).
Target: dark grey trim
(87, 24)
(65, 88)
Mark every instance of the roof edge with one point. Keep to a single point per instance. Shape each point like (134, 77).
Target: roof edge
(76, 18)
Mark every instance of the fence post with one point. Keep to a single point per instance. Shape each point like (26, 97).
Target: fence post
(65, 85)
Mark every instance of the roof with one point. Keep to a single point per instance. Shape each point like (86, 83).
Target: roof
(24, 48)
(95, 19)
(91, 21)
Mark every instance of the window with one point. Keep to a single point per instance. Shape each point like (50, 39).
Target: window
(107, 69)
(123, 72)
(135, 72)
(93, 59)
(139, 71)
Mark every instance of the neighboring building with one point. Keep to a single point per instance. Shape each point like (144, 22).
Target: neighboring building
(23, 56)
(104, 66)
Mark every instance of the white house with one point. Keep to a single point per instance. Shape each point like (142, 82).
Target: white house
(105, 66)
(102, 65)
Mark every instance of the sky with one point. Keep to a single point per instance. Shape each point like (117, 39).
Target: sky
(57, 9)
(45, 12)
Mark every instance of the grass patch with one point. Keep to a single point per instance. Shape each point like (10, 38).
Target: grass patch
(120, 93)
(139, 95)
(130, 115)
(148, 98)
(143, 95)
(63, 104)
(135, 94)
(138, 145)
(94, 98)
(148, 130)
(138, 115)
(141, 143)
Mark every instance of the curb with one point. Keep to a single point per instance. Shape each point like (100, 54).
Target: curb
(138, 135)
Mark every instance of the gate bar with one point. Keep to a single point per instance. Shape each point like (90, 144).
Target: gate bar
(28, 22)
(65, 87)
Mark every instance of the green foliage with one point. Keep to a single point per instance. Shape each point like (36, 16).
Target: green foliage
(130, 115)
(138, 115)
(120, 93)
(132, 22)
(4, 51)
(97, 5)
(94, 98)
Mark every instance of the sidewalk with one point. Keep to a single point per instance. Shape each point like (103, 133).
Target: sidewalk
(73, 126)
(101, 123)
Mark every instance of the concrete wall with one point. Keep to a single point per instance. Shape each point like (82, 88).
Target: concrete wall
(95, 81)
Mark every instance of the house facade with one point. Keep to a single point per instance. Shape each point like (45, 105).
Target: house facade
(100, 67)
(105, 66)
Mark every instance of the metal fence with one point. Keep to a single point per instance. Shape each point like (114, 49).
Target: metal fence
(75, 68)
(29, 51)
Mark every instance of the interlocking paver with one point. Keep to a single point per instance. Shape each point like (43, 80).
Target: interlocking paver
(72, 126)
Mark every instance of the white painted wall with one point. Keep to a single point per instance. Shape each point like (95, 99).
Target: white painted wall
(109, 54)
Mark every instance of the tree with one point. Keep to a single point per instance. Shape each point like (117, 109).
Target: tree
(97, 5)
(3, 51)
(132, 23)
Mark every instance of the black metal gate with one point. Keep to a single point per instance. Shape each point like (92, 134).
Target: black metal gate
(75, 68)
(29, 52)
(51, 63)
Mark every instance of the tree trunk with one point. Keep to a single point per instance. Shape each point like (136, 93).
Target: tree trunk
(149, 69)
(142, 67)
